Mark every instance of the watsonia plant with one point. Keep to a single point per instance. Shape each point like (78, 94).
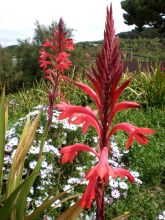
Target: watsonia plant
(105, 94)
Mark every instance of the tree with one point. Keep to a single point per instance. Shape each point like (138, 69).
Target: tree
(27, 56)
(144, 12)
(10, 76)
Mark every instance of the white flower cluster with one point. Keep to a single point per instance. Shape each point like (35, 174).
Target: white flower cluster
(47, 170)
(162, 216)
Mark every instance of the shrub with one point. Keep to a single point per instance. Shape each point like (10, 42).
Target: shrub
(148, 88)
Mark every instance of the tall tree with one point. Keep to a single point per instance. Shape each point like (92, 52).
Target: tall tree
(144, 12)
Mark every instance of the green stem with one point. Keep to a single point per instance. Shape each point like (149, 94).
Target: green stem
(44, 137)
(2, 136)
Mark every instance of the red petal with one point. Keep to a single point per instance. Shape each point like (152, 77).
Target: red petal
(95, 84)
(89, 194)
(69, 152)
(89, 91)
(145, 131)
(141, 139)
(121, 106)
(102, 168)
(127, 127)
(123, 172)
(119, 91)
(62, 106)
(129, 141)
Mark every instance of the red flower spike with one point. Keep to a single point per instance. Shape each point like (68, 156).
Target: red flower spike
(56, 61)
(105, 94)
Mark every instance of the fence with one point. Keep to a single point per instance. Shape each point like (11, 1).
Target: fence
(133, 66)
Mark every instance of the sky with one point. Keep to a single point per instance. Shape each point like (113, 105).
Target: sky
(86, 17)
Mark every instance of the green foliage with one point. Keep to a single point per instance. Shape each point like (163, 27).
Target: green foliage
(2, 135)
(8, 205)
(15, 190)
(143, 49)
(9, 75)
(26, 56)
(148, 88)
(147, 32)
(26, 99)
(142, 12)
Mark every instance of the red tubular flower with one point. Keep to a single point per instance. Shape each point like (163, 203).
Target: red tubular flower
(70, 152)
(139, 134)
(63, 62)
(79, 115)
(89, 194)
(69, 44)
(102, 170)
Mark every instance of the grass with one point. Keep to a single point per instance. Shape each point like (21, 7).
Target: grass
(22, 102)
(145, 201)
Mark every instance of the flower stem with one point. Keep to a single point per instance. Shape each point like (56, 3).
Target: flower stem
(43, 139)
(100, 207)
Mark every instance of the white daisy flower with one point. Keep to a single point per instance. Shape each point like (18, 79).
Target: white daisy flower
(113, 183)
(123, 185)
(115, 193)
(32, 164)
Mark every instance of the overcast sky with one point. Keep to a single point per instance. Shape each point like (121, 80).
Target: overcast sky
(86, 17)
